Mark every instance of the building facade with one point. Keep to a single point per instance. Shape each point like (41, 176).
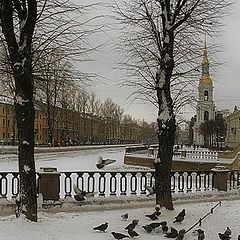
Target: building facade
(205, 110)
(233, 129)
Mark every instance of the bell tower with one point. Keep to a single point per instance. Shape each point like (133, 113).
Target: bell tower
(205, 105)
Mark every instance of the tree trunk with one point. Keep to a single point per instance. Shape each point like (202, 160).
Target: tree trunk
(164, 166)
(19, 46)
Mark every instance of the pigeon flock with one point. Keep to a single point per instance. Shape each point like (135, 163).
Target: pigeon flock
(158, 227)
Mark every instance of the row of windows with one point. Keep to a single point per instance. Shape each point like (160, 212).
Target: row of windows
(4, 122)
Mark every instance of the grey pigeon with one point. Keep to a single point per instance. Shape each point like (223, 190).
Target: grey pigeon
(124, 216)
(79, 194)
(102, 227)
(101, 163)
(119, 236)
(150, 190)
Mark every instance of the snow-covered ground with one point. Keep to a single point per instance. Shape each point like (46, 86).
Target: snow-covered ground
(79, 225)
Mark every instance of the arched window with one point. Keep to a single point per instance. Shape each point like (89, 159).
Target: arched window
(205, 95)
(206, 116)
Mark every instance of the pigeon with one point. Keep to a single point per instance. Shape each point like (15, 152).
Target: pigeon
(135, 221)
(124, 216)
(200, 233)
(119, 235)
(154, 225)
(228, 231)
(180, 235)
(101, 163)
(131, 226)
(172, 234)
(132, 233)
(79, 194)
(224, 236)
(102, 227)
(147, 228)
(164, 226)
(152, 216)
(178, 219)
(150, 190)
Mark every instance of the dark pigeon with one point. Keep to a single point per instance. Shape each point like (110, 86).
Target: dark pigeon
(180, 235)
(172, 234)
(130, 226)
(164, 226)
(152, 216)
(119, 236)
(124, 216)
(180, 217)
(147, 228)
(103, 162)
(224, 236)
(154, 225)
(102, 228)
(228, 231)
(200, 233)
(132, 233)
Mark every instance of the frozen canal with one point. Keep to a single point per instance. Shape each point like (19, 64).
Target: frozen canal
(82, 160)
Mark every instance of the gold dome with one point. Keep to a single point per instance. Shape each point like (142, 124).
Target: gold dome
(205, 79)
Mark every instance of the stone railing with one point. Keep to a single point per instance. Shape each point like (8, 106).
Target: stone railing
(55, 185)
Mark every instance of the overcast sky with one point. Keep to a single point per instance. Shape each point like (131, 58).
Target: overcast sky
(226, 81)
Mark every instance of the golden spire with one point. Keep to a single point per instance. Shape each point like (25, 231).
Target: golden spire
(205, 79)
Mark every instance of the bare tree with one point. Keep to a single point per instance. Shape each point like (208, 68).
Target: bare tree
(162, 45)
(18, 19)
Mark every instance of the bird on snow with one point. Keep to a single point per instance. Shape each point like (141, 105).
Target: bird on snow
(150, 190)
(164, 226)
(180, 217)
(124, 216)
(132, 225)
(228, 231)
(119, 236)
(180, 235)
(102, 228)
(147, 228)
(224, 236)
(101, 163)
(154, 225)
(135, 221)
(157, 211)
(132, 233)
(152, 216)
(79, 194)
(172, 234)
(200, 233)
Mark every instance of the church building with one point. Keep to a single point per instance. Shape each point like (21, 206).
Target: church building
(205, 105)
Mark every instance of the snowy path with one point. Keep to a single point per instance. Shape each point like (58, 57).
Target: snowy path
(78, 226)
